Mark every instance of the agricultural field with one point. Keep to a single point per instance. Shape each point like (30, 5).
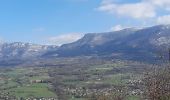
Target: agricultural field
(26, 82)
(75, 82)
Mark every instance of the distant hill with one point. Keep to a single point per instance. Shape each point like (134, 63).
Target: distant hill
(135, 44)
(19, 50)
(143, 44)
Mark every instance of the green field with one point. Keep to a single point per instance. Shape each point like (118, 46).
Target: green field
(34, 90)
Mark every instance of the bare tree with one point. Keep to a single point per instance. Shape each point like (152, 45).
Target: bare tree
(157, 84)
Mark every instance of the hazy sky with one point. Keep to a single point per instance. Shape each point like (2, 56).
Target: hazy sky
(63, 21)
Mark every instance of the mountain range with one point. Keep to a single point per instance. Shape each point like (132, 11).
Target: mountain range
(130, 43)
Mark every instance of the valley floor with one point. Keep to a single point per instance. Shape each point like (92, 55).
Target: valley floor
(78, 81)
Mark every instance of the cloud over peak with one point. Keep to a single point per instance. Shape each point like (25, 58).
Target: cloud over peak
(116, 28)
(163, 19)
(64, 38)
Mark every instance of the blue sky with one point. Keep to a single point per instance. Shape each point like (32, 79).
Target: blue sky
(64, 21)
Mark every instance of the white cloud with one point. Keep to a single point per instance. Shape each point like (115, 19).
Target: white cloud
(116, 28)
(161, 3)
(138, 10)
(144, 9)
(163, 19)
(64, 38)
